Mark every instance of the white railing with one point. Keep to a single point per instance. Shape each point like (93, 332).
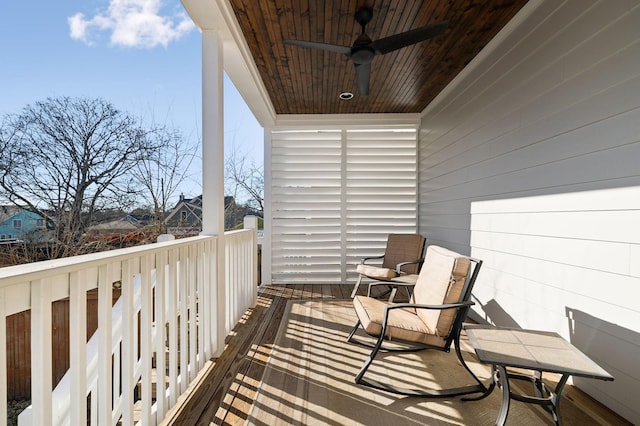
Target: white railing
(61, 397)
(241, 276)
(164, 325)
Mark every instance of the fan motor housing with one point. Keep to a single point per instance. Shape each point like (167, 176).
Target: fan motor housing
(362, 55)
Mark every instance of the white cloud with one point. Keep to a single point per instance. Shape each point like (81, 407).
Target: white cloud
(131, 23)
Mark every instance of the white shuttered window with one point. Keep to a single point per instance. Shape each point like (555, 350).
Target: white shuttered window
(335, 196)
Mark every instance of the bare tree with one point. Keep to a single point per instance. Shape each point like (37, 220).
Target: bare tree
(161, 173)
(244, 180)
(66, 158)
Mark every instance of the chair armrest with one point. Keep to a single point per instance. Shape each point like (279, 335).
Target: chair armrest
(364, 259)
(392, 283)
(387, 283)
(375, 283)
(392, 306)
(433, 307)
(400, 265)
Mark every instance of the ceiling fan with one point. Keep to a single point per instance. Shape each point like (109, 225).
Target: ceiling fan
(364, 49)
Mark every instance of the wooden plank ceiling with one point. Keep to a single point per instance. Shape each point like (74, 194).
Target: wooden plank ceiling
(308, 81)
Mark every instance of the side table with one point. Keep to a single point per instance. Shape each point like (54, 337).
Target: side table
(538, 351)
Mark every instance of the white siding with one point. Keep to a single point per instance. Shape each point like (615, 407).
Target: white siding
(530, 160)
(335, 196)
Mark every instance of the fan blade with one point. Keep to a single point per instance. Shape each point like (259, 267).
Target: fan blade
(330, 47)
(407, 38)
(363, 74)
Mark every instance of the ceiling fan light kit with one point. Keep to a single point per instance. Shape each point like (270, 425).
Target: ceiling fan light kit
(363, 50)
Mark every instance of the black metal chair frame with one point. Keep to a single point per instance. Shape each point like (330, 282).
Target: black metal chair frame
(398, 267)
(453, 338)
(394, 284)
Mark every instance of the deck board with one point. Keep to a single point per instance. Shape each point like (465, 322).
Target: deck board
(226, 392)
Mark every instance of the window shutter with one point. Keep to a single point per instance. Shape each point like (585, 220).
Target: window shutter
(306, 184)
(381, 191)
(335, 196)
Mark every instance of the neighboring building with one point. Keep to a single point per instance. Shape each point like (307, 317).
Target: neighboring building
(186, 216)
(119, 226)
(20, 224)
(123, 232)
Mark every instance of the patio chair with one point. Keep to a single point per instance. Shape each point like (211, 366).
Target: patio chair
(402, 257)
(431, 320)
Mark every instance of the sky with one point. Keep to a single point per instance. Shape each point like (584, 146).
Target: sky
(143, 56)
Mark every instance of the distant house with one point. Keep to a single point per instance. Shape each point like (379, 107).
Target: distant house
(20, 224)
(119, 226)
(186, 217)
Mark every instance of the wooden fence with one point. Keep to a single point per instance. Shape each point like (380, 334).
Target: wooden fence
(19, 343)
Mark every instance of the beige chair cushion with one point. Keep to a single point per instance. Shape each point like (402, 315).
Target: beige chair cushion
(440, 282)
(403, 324)
(375, 272)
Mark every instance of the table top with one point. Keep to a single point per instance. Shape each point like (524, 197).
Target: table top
(532, 350)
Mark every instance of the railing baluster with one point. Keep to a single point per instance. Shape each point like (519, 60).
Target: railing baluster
(202, 325)
(41, 365)
(105, 289)
(231, 280)
(128, 361)
(193, 319)
(228, 294)
(173, 326)
(205, 298)
(184, 319)
(146, 348)
(3, 355)
(94, 406)
(78, 346)
(214, 323)
(160, 321)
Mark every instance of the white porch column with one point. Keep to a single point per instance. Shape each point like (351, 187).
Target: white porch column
(268, 213)
(213, 173)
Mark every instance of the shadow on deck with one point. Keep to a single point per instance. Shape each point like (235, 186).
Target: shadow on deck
(226, 388)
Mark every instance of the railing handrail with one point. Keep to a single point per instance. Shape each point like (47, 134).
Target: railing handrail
(10, 275)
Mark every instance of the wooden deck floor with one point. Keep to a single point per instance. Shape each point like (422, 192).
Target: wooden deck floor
(224, 394)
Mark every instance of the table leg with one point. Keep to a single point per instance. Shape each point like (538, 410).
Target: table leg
(549, 400)
(487, 390)
(555, 402)
(538, 385)
(506, 395)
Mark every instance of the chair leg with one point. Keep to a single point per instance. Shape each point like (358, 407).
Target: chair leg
(406, 288)
(456, 343)
(355, 287)
(355, 328)
(479, 387)
(392, 294)
(368, 362)
(389, 290)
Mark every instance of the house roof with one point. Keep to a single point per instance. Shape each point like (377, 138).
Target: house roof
(8, 211)
(190, 205)
(279, 79)
(125, 223)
